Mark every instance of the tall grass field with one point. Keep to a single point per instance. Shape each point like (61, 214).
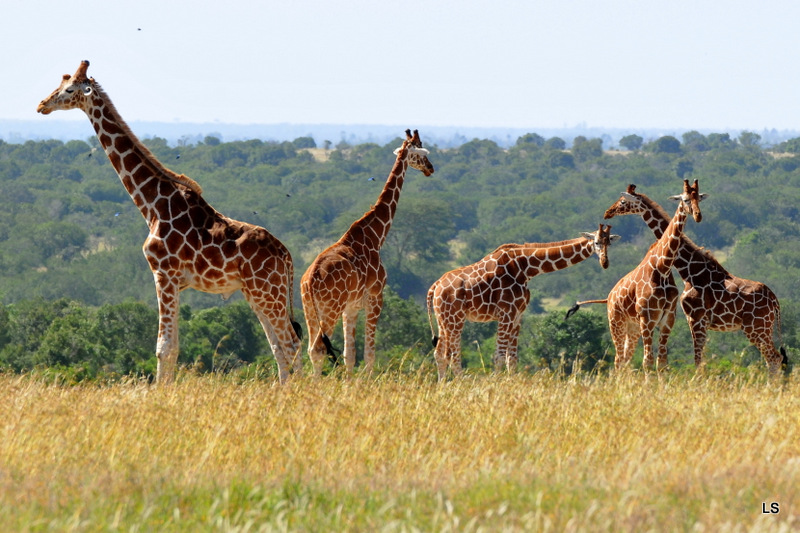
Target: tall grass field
(398, 452)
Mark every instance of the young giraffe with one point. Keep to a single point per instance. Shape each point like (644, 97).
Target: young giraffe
(348, 276)
(495, 288)
(713, 298)
(190, 244)
(646, 297)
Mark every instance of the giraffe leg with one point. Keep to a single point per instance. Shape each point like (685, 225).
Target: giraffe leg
(662, 364)
(440, 353)
(499, 359)
(349, 319)
(762, 339)
(274, 318)
(373, 313)
(511, 354)
(697, 327)
(454, 350)
(167, 346)
(647, 340)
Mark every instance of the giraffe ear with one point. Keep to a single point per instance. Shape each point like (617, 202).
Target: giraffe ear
(87, 90)
(587, 235)
(702, 196)
(676, 197)
(614, 238)
(628, 196)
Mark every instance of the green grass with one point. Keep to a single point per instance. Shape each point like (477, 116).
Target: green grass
(398, 452)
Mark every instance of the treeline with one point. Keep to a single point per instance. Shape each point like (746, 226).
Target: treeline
(70, 233)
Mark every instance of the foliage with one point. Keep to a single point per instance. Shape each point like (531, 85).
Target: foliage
(70, 237)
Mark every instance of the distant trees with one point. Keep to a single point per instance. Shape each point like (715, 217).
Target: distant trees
(665, 145)
(70, 236)
(631, 142)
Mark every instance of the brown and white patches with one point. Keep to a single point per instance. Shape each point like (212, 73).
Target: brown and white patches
(190, 244)
(349, 276)
(495, 289)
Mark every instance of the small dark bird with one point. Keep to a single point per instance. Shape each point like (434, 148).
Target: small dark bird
(371, 179)
(178, 156)
(288, 195)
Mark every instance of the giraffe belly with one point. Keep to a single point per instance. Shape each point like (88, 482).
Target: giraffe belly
(223, 285)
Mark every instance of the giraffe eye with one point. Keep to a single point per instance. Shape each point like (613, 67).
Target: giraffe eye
(69, 91)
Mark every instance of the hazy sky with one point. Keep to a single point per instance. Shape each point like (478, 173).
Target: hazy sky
(526, 64)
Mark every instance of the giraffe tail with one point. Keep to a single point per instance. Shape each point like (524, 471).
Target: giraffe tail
(429, 304)
(574, 309)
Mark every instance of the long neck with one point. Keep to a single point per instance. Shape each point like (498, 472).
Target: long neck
(142, 175)
(664, 252)
(534, 258)
(691, 261)
(376, 222)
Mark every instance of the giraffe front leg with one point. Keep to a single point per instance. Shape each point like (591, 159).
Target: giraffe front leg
(662, 364)
(373, 313)
(167, 346)
(510, 343)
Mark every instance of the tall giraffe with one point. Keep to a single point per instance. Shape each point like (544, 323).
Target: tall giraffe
(348, 275)
(190, 244)
(713, 298)
(495, 289)
(646, 297)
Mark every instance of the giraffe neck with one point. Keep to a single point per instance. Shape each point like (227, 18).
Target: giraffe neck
(376, 222)
(534, 258)
(664, 252)
(145, 178)
(693, 264)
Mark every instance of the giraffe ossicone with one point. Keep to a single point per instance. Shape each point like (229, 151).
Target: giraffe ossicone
(189, 244)
(495, 289)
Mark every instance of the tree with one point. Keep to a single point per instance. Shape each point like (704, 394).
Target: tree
(531, 139)
(587, 150)
(666, 145)
(304, 142)
(748, 139)
(631, 142)
(550, 341)
(555, 143)
(695, 141)
(683, 167)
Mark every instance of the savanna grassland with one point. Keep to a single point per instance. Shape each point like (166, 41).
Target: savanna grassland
(397, 452)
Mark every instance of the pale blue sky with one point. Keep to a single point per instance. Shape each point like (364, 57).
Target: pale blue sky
(525, 64)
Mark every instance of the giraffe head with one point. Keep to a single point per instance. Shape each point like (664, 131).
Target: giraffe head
(629, 203)
(416, 156)
(74, 92)
(690, 199)
(602, 239)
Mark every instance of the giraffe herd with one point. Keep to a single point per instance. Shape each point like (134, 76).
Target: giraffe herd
(190, 244)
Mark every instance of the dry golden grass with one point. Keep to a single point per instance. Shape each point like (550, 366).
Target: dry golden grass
(398, 452)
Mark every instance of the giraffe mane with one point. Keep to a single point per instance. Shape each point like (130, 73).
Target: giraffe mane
(144, 150)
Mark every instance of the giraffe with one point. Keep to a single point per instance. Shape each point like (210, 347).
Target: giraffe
(348, 275)
(713, 298)
(495, 289)
(646, 297)
(189, 243)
